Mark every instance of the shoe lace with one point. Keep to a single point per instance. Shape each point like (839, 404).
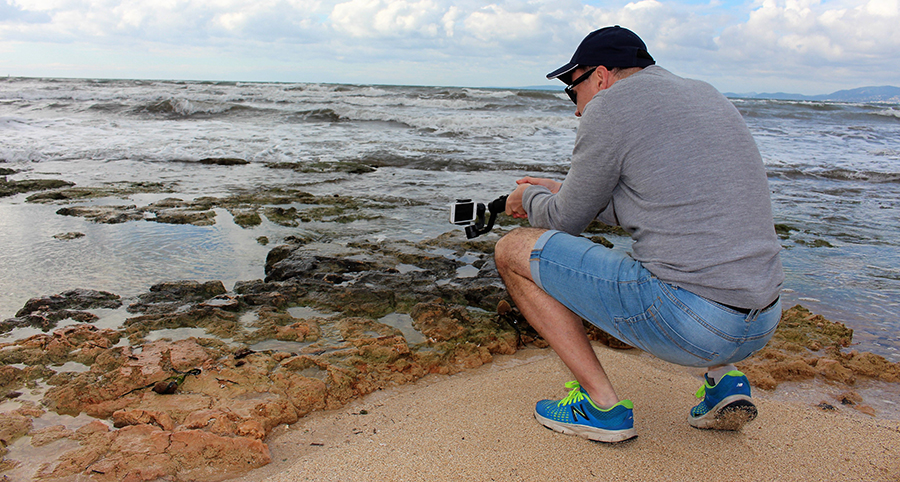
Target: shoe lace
(702, 392)
(575, 395)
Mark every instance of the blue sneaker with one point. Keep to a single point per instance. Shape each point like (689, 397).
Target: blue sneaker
(577, 415)
(726, 405)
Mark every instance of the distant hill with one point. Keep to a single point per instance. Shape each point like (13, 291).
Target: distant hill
(884, 93)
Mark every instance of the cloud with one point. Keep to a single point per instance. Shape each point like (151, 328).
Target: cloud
(809, 32)
(776, 42)
(388, 19)
(10, 12)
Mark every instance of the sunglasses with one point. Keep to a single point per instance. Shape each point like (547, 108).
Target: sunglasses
(570, 88)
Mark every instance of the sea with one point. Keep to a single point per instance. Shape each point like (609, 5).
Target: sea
(833, 169)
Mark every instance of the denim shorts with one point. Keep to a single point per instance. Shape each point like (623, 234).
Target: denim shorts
(621, 297)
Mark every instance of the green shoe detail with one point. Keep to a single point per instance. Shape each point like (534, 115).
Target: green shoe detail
(576, 395)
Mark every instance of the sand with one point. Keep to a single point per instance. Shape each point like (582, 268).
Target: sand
(479, 426)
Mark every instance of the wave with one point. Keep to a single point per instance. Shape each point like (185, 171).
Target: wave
(193, 108)
(444, 163)
(540, 94)
(316, 115)
(892, 112)
(867, 176)
(837, 174)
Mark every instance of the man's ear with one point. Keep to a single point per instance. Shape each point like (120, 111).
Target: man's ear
(603, 77)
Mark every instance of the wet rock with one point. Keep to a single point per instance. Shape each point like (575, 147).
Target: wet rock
(49, 434)
(850, 397)
(356, 300)
(807, 346)
(866, 409)
(871, 365)
(171, 296)
(275, 293)
(104, 214)
(216, 323)
(98, 392)
(302, 264)
(272, 324)
(10, 188)
(77, 299)
(224, 161)
(146, 452)
(13, 426)
(68, 236)
(124, 418)
(439, 321)
(82, 344)
(348, 167)
(223, 302)
(834, 371)
(246, 218)
(113, 189)
(185, 216)
(46, 320)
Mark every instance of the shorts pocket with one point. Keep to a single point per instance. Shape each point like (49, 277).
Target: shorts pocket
(663, 338)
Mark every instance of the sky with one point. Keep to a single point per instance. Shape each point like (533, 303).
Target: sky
(797, 46)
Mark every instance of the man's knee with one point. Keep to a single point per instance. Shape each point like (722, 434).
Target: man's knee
(515, 248)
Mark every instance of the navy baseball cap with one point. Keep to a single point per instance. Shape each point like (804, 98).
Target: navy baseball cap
(610, 47)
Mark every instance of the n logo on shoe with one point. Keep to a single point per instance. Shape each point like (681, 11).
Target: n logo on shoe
(576, 411)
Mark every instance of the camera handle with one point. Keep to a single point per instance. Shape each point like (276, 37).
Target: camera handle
(494, 207)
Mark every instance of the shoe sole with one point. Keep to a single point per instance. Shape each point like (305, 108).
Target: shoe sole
(732, 413)
(591, 433)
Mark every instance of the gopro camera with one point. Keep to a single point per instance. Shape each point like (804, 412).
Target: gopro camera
(463, 212)
(472, 215)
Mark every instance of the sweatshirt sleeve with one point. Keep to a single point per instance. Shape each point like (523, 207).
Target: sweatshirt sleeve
(589, 184)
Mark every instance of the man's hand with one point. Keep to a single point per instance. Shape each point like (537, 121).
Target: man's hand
(550, 184)
(514, 206)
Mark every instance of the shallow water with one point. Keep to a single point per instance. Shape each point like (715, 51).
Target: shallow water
(834, 171)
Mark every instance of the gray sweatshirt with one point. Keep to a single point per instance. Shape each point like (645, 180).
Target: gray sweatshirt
(672, 161)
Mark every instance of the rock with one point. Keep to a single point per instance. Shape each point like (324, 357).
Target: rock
(185, 216)
(204, 456)
(866, 409)
(173, 295)
(850, 397)
(302, 264)
(77, 299)
(276, 293)
(101, 393)
(224, 161)
(49, 434)
(9, 188)
(833, 370)
(438, 321)
(216, 322)
(247, 218)
(68, 236)
(124, 418)
(46, 320)
(224, 302)
(12, 426)
(104, 214)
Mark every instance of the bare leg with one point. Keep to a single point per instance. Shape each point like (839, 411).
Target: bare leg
(562, 328)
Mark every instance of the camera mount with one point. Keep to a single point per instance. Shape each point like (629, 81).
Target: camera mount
(479, 227)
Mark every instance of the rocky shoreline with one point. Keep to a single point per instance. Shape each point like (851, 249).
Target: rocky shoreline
(193, 381)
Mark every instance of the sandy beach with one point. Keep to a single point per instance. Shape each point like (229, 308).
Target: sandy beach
(478, 425)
